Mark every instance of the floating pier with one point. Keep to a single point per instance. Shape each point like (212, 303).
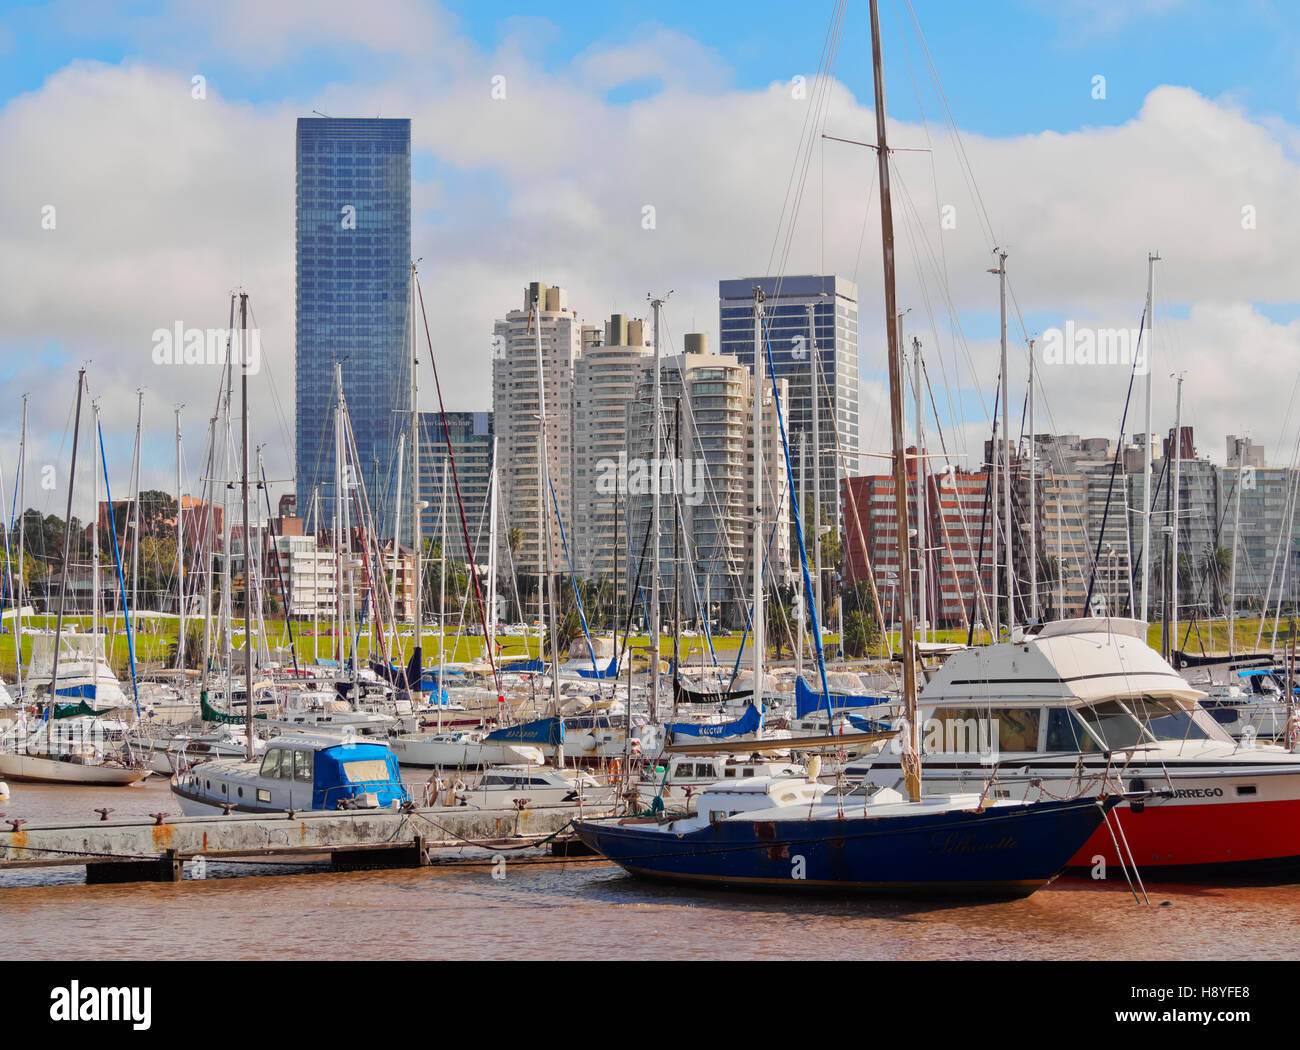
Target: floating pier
(155, 848)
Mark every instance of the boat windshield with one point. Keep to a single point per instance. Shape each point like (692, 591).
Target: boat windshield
(1115, 725)
(1169, 720)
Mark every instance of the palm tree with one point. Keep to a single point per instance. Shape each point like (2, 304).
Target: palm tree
(515, 541)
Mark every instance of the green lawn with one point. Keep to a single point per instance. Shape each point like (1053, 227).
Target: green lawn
(157, 635)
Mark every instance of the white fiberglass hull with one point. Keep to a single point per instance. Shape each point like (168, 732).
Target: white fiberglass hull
(428, 753)
(54, 771)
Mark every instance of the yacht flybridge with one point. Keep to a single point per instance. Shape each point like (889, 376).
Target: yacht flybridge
(1087, 701)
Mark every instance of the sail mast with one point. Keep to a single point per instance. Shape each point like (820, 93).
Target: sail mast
(911, 751)
(760, 640)
(417, 604)
(543, 494)
(1146, 445)
(22, 515)
(180, 553)
(67, 543)
(248, 550)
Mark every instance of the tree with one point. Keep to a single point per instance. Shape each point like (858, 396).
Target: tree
(861, 635)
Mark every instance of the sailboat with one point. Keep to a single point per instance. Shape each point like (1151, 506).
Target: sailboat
(795, 834)
(66, 745)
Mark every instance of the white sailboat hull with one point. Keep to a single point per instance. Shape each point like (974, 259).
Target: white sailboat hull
(54, 771)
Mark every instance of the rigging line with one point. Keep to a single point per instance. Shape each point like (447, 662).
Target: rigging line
(1119, 448)
(798, 525)
(817, 113)
(964, 164)
(276, 400)
(451, 459)
(830, 47)
(943, 519)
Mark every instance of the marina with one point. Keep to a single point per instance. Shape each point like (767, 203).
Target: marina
(599, 485)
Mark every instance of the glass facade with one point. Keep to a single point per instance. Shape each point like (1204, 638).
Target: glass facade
(353, 260)
(833, 335)
(471, 442)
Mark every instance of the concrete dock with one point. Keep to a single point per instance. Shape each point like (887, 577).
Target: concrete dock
(155, 848)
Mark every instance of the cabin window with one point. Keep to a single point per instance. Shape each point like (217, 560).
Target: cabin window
(1017, 728)
(729, 773)
(1065, 733)
(271, 763)
(1169, 720)
(263, 795)
(365, 770)
(703, 770)
(749, 771)
(303, 766)
(1113, 723)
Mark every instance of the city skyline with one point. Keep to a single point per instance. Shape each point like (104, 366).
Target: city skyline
(519, 184)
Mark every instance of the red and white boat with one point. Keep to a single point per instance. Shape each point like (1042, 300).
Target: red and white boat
(1085, 706)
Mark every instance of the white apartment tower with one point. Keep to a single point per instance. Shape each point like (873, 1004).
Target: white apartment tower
(605, 378)
(516, 417)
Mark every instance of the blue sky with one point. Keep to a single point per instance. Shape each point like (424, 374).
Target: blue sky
(1199, 118)
(1250, 54)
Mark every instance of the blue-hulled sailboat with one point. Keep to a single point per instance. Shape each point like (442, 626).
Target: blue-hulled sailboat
(794, 834)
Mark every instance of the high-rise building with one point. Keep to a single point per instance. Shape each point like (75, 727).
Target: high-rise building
(353, 263)
(831, 339)
(471, 444)
(515, 411)
(604, 381)
(715, 480)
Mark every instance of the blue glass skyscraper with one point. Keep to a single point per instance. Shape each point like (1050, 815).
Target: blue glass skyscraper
(353, 261)
(834, 332)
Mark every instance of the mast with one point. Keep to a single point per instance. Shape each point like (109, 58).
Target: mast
(248, 549)
(135, 505)
(22, 515)
(760, 640)
(94, 539)
(542, 495)
(67, 543)
(656, 473)
(490, 640)
(1002, 452)
(397, 530)
(1232, 572)
(180, 549)
(1176, 491)
(911, 758)
(1146, 444)
(417, 541)
(803, 503)
(315, 579)
(678, 524)
(922, 508)
(815, 370)
(1033, 498)
(338, 518)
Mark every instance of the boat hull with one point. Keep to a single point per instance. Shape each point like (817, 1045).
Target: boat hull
(1003, 851)
(1214, 840)
(36, 770)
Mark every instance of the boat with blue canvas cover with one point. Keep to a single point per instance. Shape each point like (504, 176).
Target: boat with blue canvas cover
(300, 773)
(792, 834)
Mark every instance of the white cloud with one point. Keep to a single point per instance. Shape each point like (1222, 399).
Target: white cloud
(166, 203)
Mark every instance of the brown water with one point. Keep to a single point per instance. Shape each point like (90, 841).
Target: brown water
(583, 910)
